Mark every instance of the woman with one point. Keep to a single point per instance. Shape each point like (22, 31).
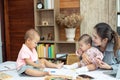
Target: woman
(106, 40)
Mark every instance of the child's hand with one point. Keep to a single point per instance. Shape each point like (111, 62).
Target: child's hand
(79, 52)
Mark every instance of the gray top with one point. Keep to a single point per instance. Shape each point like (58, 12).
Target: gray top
(109, 57)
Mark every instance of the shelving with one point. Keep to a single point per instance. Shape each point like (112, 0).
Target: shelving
(45, 20)
(49, 31)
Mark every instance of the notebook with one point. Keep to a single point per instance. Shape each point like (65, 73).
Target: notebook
(114, 73)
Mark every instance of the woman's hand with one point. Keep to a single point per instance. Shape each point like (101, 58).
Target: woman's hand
(103, 65)
(86, 59)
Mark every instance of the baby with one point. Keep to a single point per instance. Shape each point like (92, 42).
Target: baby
(85, 47)
(28, 62)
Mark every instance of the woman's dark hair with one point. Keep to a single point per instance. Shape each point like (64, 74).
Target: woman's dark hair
(86, 38)
(105, 31)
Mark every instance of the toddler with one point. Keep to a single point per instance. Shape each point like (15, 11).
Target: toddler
(28, 62)
(85, 47)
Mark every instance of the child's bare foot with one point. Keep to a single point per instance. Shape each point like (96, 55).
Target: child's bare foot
(60, 65)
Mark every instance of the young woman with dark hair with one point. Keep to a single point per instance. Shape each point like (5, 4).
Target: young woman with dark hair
(107, 41)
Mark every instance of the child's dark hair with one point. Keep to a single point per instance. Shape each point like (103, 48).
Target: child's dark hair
(105, 31)
(86, 38)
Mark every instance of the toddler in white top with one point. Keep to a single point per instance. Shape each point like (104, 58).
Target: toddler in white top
(85, 47)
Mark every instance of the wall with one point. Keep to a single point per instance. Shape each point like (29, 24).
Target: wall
(96, 11)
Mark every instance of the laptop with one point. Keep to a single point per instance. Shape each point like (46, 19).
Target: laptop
(114, 73)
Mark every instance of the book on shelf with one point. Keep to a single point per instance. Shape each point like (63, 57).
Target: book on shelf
(52, 51)
(47, 45)
(49, 52)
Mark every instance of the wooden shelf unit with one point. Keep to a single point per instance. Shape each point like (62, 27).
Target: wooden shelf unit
(40, 15)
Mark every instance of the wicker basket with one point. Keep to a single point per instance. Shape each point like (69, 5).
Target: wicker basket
(72, 58)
